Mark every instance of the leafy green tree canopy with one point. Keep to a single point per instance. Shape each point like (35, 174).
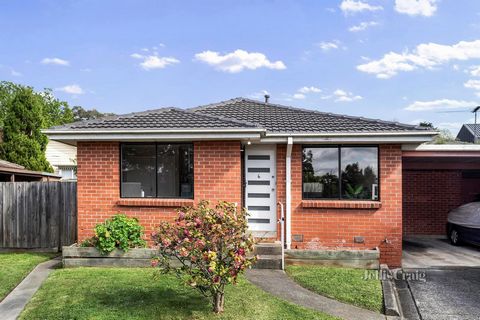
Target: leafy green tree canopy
(23, 141)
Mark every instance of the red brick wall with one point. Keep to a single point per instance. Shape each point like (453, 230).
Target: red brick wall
(428, 196)
(335, 228)
(217, 169)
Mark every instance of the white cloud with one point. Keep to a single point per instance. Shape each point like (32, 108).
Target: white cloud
(55, 61)
(310, 89)
(474, 71)
(440, 104)
(238, 60)
(299, 96)
(327, 46)
(74, 89)
(363, 26)
(344, 96)
(258, 95)
(154, 61)
(472, 84)
(304, 91)
(416, 7)
(15, 73)
(425, 55)
(352, 6)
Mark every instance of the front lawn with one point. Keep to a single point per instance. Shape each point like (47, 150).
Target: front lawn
(116, 293)
(343, 284)
(16, 266)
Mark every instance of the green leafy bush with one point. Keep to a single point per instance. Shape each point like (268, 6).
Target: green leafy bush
(118, 232)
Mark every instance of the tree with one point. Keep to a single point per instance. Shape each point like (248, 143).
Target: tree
(80, 114)
(444, 135)
(55, 112)
(426, 124)
(211, 246)
(23, 141)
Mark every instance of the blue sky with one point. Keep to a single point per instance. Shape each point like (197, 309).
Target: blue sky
(402, 60)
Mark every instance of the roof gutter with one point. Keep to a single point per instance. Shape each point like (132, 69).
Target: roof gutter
(349, 137)
(154, 135)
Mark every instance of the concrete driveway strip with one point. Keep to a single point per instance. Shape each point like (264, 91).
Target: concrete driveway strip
(277, 283)
(15, 302)
(448, 294)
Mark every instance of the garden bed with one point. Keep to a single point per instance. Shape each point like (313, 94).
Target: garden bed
(75, 256)
(362, 259)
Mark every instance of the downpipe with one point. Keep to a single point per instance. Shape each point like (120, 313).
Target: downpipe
(281, 221)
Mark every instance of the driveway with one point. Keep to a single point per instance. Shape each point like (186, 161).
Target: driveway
(449, 283)
(428, 252)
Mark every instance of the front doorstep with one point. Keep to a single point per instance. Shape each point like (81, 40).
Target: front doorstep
(75, 256)
(365, 259)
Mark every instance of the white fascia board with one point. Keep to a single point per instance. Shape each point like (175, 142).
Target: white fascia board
(152, 136)
(354, 134)
(144, 131)
(351, 139)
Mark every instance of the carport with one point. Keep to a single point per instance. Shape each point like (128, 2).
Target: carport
(437, 179)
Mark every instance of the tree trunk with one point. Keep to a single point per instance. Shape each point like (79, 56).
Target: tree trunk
(218, 302)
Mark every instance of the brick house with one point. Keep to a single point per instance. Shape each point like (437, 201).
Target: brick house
(339, 177)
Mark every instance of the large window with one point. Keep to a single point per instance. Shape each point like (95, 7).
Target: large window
(340, 172)
(157, 171)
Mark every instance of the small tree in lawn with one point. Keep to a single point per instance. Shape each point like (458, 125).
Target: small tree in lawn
(211, 246)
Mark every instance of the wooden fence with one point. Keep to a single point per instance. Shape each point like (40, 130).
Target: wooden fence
(37, 215)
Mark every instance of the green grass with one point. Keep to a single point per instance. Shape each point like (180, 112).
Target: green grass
(16, 266)
(116, 293)
(343, 284)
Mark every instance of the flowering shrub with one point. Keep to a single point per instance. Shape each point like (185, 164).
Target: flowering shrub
(211, 246)
(120, 232)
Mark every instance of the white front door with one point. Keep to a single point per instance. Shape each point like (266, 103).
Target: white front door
(260, 190)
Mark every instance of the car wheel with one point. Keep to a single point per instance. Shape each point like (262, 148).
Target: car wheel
(454, 237)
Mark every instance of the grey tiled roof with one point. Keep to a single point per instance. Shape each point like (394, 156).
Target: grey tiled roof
(282, 119)
(474, 128)
(239, 113)
(166, 118)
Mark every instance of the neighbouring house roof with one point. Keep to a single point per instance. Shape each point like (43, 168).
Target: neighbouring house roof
(240, 119)
(7, 167)
(469, 133)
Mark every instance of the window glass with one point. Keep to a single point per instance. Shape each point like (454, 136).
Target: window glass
(138, 171)
(359, 173)
(175, 171)
(340, 173)
(157, 170)
(320, 173)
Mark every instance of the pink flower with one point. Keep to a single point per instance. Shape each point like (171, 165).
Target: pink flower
(154, 263)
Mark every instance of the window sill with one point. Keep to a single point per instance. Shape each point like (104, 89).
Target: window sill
(341, 204)
(141, 202)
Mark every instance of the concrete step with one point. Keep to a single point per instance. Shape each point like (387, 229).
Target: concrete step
(269, 262)
(268, 249)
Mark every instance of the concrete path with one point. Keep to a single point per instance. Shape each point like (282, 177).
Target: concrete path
(280, 285)
(428, 252)
(15, 302)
